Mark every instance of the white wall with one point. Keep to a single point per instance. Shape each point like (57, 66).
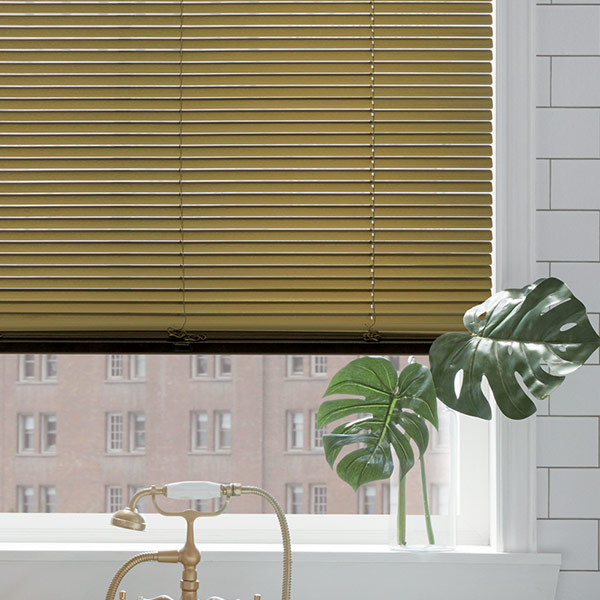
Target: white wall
(568, 247)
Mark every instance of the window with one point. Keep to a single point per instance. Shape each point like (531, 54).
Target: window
(138, 366)
(137, 432)
(199, 366)
(223, 430)
(114, 432)
(27, 367)
(114, 366)
(49, 367)
(25, 434)
(204, 506)
(295, 366)
(25, 499)
(439, 499)
(48, 442)
(199, 430)
(132, 490)
(318, 499)
(47, 499)
(385, 498)
(367, 500)
(319, 366)
(224, 367)
(316, 431)
(294, 499)
(295, 430)
(114, 498)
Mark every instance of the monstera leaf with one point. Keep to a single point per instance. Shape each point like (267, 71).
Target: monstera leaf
(523, 342)
(391, 410)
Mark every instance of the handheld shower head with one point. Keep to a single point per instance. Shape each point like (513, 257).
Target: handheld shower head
(129, 519)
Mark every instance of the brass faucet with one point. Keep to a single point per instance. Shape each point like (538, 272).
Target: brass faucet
(189, 555)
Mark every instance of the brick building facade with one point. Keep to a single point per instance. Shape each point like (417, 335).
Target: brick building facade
(82, 433)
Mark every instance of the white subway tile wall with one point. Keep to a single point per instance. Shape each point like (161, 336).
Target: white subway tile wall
(568, 246)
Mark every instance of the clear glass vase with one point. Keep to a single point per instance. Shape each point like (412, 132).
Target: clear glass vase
(429, 493)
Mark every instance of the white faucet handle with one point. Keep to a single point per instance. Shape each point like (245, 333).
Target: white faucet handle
(193, 490)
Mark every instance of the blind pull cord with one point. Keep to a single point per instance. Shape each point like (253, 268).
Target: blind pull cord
(372, 335)
(182, 334)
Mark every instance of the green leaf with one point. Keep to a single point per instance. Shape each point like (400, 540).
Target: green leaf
(397, 407)
(513, 335)
(417, 392)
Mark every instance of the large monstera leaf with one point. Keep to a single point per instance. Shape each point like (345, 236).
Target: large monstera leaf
(521, 339)
(391, 410)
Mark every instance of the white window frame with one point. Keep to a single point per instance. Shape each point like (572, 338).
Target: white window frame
(111, 423)
(367, 494)
(318, 498)
(138, 367)
(219, 372)
(23, 362)
(219, 431)
(21, 433)
(512, 447)
(25, 498)
(195, 429)
(135, 418)
(295, 430)
(45, 420)
(291, 371)
(293, 504)
(112, 360)
(513, 443)
(196, 374)
(47, 498)
(317, 362)
(114, 498)
(48, 359)
(316, 433)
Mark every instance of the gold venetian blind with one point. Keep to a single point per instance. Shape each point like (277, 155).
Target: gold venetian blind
(288, 167)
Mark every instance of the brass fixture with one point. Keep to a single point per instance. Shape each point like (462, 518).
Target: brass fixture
(189, 555)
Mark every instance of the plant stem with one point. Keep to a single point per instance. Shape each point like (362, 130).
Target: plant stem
(430, 536)
(401, 518)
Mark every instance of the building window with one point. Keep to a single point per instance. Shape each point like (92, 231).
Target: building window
(440, 437)
(199, 430)
(367, 500)
(137, 432)
(205, 506)
(25, 433)
(439, 499)
(25, 499)
(114, 368)
(317, 432)
(224, 369)
(49, 367)
(395, 360)
(294, 499)
(114, 498)
(223, 430)
(137, 364)
(318, 499)
(48, 441)
(199, 366)
(47, 499)
(27, 367)
(319, 366)
(385, 498)
(295, 430)
(114, 432)
(295, 366)
(132, 490)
